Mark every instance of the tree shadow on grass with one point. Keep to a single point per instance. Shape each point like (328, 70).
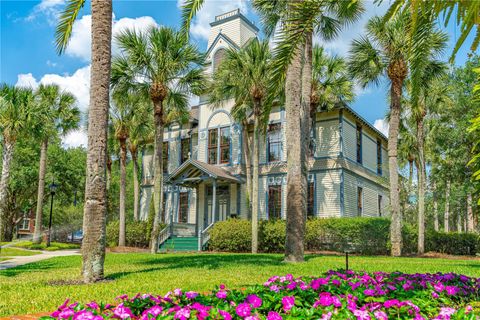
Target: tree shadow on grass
(44, 266)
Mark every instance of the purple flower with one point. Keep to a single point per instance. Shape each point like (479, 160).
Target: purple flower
(336, 282)
(86, 315)
(243, 310)
(254, 300)
(191, 294)
(225, 315)
(439, 287)
(272, 315)
(434, 295)
(65, 314)
(361, 315)
(380, 315)
(92, 305)
(288, 302)
(451, 290)
(222, 294)
(274, 288)
(391, 303)
(325, 299)
(153, 311)
(182, 314)
(369, 292)
(122, 312)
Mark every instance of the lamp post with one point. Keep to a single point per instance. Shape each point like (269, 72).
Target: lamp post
(53, 188)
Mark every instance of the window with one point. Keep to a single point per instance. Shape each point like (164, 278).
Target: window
(380, 199)
(25, 224)
(359, 144)
(185, 150)
(183, 207)
(311, 200)
(274, 202)
(217, 58)
(312, 142)
(359, 201)
(274, 139)
(219, 149)
(379, 157)
(165, 157)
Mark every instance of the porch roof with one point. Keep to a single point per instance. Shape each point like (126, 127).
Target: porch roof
(192, 172)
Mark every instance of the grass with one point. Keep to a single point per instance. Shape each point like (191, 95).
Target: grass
(54, 246)
(37, 287)
(15, 252)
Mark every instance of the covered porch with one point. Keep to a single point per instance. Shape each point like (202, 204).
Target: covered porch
(217, 198)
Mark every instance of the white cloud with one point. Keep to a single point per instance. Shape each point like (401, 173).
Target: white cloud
(382, 126)
(48, 8)
(26, 80)
(200, 27)
(76, 138)
(81, 42)
(341, 45)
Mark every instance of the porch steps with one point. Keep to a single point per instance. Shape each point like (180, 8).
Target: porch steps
(180, 244)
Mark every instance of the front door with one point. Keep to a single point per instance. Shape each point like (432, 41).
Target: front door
(223, 201)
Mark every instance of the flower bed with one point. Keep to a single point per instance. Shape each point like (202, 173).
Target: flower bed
(336, 295)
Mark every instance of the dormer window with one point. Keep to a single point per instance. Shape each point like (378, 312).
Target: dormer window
(218, 58)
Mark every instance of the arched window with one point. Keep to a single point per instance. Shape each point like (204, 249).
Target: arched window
(218, 57)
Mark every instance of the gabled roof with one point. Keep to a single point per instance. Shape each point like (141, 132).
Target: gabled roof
(363, 120)
(192, 172)
(225, 38)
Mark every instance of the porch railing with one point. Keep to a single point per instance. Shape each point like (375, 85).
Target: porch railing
(165, 233)
(204, 237)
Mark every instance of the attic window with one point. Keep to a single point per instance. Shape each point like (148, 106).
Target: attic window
(218, 57)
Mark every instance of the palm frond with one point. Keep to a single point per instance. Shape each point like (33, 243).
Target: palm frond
(63, 30)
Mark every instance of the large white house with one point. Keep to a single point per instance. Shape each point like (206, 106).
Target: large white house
(348, 167)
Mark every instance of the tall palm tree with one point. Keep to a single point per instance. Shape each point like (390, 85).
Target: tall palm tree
(16, 106)
(162, 64)
(244, 75)
(385, 52)
(56, 115)
(95, 208)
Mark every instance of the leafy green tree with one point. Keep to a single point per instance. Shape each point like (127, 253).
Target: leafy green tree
(244, 75)
(56, 115)
(16, 105)
(162, 64)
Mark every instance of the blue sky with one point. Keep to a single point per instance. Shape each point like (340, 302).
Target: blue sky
(28, 57)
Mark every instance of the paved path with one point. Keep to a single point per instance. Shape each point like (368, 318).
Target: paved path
(21, 260)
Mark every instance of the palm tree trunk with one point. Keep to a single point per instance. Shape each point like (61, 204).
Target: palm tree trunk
(470, 217)
(37, 235)
(95, 211)
(436, 225)
(421, 188)
(109, 171)
(7, 156)
(296, 159)
(248, 166)
(123, 183)
(136, 185)
(410, 177)
(446, 217)
(255, 181)
(158, 176)
(395, 111)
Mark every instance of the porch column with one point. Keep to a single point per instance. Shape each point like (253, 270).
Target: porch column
(173, 208)
(214, 201)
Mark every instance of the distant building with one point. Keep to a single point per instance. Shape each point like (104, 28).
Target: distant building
(348, 166)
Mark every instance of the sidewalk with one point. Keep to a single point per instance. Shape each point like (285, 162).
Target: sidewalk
(21, 260)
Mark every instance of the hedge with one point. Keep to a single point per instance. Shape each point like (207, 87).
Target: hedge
(136, 234)
(368, 236)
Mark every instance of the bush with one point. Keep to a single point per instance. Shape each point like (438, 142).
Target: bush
(136, 234)
(272, 236)
(453, 243)
(233, 235)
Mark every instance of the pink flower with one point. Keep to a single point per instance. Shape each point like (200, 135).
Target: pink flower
(225, 315)
(288, 302)
(451, 290)
(254, 300)
(177, 292)
(222, 294)
(325, 299)
(380, 315)
(65, 314)
(191, 294)
(434, 295)
(243, 310)
(336, 282)
(122, 312)
(369, 292)
(85, 315)
(92, 305)
(361, 315)
(326, 316)
(272, 315)
(182, 314)
(153, 311)
(252, 318)
(439, 287)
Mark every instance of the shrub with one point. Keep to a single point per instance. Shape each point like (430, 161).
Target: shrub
(272, 236)
(136, 234)
(453, 243)
(233, 235)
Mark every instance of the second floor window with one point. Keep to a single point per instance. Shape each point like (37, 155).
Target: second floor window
(359, 144)
(274, 140)
(274, 202)
(311, 200)
(359, 201)
(185, 150)
(219, 145)
(379, 157)
(165, 157)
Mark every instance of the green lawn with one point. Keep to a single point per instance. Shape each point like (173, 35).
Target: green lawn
(54, 246)
(14, 252)
(28, 289)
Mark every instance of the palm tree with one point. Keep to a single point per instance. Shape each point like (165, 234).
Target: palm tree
(16, 105)
(384, 52)
(299, 20)
(244, 75)
(162, 64)
(95, 208)
(56, 115)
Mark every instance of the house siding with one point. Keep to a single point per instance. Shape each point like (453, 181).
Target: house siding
(328, 138)
(327, 193)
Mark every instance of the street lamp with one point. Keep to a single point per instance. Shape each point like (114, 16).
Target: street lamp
(53, 188)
